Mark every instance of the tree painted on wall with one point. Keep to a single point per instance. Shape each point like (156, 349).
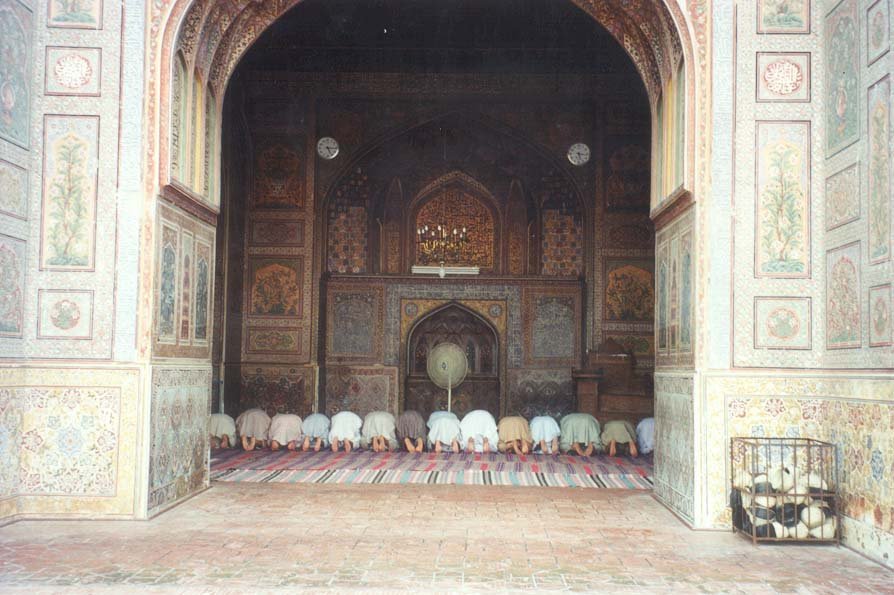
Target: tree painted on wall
(879, 184)
(782, 218)
(74, 11)
(68, 212)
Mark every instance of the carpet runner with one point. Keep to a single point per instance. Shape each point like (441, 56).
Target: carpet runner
(360, 467)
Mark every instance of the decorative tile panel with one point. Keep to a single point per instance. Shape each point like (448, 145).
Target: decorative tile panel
(841, 44)
(782, 323)
(13, 262)
(361, 389)
(73, 71)
(878, 30)
(16, 68)
(843, 197)
(880, 313)
(13, 190)
(783, 77)
(65, 314)
(783, 16)
(83, 14)
(843, 304)
(878, 113)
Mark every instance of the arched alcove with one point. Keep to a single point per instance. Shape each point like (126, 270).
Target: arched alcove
(457, 324)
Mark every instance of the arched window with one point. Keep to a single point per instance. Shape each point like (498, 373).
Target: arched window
(179, 96)
(210, 153)
(197, 134)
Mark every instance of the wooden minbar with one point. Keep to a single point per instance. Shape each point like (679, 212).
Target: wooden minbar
(607, 388)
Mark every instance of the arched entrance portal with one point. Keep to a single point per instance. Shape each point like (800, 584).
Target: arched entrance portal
(277, 303)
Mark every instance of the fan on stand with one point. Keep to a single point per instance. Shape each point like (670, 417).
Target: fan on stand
(447, 367)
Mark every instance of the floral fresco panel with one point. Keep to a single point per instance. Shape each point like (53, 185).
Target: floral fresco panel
(843, 309)
(69, 440)
(275, 288)
(880, 323)
(879, 130)
(71, 156)
(842, 47)
(13, 190)
(629, 293)
(843, 197)
(782, 218)
(12, 286)
(782, 323)
(878, 30)
(783, 16)
(167, 284)
(16, 65)
(65, 314)
(75, 14)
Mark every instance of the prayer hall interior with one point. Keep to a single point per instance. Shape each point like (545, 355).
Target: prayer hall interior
(521, 129)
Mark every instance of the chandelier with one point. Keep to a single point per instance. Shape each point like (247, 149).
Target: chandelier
(439, 244)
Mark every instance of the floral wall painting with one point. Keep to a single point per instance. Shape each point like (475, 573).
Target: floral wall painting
(64, 314)
(686, 291)
(71, 149)
(13, 190)
(12, 286)
(878, 30)
(167, 284)
(278, 176)
(843, 197)
(879, 128)
(783, 77)
(843, 310)
(842, 46)
(73, 71)
(880, 323)
(662, 301)
(75, 14)
(783, 16)
(266, 340)
(203, 287)
(782, 323)
(16, 33)
(186, 287)
(275, 232)
(628, 291)
(275, 287)
(782, 218)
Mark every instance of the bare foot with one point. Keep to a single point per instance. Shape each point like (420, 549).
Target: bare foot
(577, 449)
(455, 445)
(555, 446)
(348, 446)
(470, 446)
(486, 447)
(291, 445)
(590, 449)
(409, 445)
(633, 451)
(525, 448)
(215, 443)
(515, 448)
(306, 446)
(612, 449)
(318, 444)
(274, 445)
(225, 441)
(419, 444)
(438, 447)
(543, 446)
(335, 446)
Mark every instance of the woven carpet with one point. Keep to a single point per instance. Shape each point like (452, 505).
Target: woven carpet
(598, 471)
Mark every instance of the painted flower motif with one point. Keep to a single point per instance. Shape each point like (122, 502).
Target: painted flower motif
(783, 77)
(69, 441)
(107, 441)
(877, 36)
(737, 408)
(877, 464)
(774, 407)
(880, 316)
(855, 415)
(73, 71)
(32, 441)
(811, 410)
(65, 315)
(758, 430)
(783, 324)
(855, 458)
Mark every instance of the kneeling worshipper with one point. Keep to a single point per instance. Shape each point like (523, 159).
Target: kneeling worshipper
(345, 431)
(253, 425)
(645, 435)
(222, 430)
(411, 430)
(479, 430)
(515, 435)
(444, 431)
(316, 430)
(580, 433)
(619, 432)
(379, 431)
(545, 434)
(285, 428)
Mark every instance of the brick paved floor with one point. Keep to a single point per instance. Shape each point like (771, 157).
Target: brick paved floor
(264, 537)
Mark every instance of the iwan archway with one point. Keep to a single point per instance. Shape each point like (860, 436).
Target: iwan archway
(242, 178)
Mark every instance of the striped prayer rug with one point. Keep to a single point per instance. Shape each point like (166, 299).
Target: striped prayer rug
(362, 467)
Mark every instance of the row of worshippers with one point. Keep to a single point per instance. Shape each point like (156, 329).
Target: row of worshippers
(478, 431)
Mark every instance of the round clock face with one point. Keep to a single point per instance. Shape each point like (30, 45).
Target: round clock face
(327, 147)
(578, 154)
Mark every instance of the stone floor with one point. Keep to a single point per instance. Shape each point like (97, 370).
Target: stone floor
(267, 537)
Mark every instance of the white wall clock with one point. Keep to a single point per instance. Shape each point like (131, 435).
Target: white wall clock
(327, 147)
(578, 154)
